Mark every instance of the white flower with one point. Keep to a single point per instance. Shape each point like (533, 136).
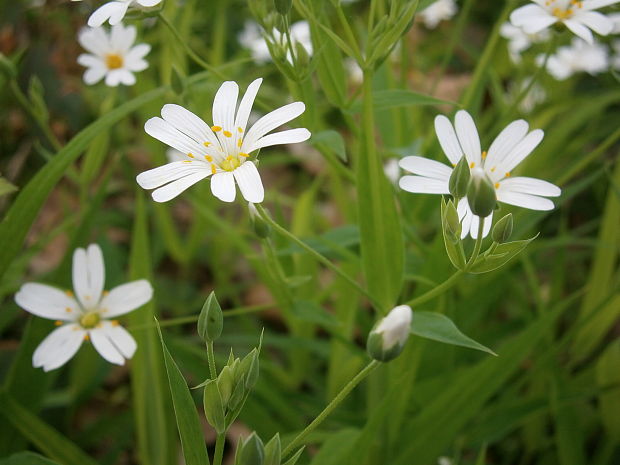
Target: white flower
(615, 19)
(578, 16)
(392, 170)
(85, 315)
(519, 41)
(394, 328)
(220, 151)
(508, 149)
(251, 37)
(114, 12)
(112, 55)
(579, 56)
(438, 11)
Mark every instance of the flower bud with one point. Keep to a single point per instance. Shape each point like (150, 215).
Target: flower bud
(459, 179)
(503, 229)
(261, 228)
(252, 451)
(481, 194)
(451, 222)
(387, 339)
(283, 6)
(211, 319)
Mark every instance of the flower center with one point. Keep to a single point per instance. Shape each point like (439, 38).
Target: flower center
(566, 11)
(90, 320)
(113, 61)
(230, 163)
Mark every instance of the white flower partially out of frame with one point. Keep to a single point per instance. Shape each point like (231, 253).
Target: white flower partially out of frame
(220, 151)
(579, 56)
(508, 149)
(578, 16)
(115, 11)
(87, 313)
(112, 55)
(438, 11)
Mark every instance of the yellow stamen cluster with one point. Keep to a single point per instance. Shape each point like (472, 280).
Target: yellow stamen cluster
(90, 320)
(113, 61)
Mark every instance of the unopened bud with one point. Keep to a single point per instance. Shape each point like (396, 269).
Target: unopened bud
(211, 319)
(283, 6)
(387, 339)
(459, 179)
(260, 226)
(252, 451)
(481, 194)
(451, 221)
(502, 229)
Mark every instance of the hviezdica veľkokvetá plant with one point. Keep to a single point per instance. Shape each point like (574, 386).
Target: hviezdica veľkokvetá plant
(221, 151)
(85, 313)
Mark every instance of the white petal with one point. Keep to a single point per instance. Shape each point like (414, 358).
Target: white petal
(122, 38)
(58, 347)
(94, 75)
(249, 182)
(598, 22)
(88, 275)
(596, 4)
(466, 216)
(149, 3)
(271, 121)
(538, 24)
(223, 186)
(169, 135)
(579, 30)
(468, 136)
(112, 11)
(245, 107)
(505, 142)
(95, 40)
(113, 78)
(522, 150)
(225, 104)
(524, 200)
(425, 167)
(531, 186)
(122, 340)
(161, 175)
(475, 222)
(291, 136)
(170, 191)
(423, 185)
(523, 15)
(47, 302)
(447, 139)
(90, 61)
(104, 346)
(137, 53)
(125, 298)
(188, 123)
(125, 77)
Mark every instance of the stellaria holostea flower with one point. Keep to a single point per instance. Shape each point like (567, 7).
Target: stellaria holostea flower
(508, 149)
(112, 55)
(579, 56)
(221, 151)
(115, 11)
(441, 10)
(85, 314)
(578, 16)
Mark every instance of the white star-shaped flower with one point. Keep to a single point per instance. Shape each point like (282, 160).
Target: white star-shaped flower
(85, 314)
(508, 149)
(221, 151)
(114, 12)
(441, 10)
(112, 55)
(579, 56)
(578, 16)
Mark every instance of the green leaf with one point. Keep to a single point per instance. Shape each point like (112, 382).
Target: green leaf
(453, 249)
(6, 187)
(43, 436)
(395, 98)
(27, 458)
(213, 406)
(331, 140)
(438, 327)
(329, 67)
(608, 375)
(188, 423)
(211, 319)
(293, 460)
(502, 255)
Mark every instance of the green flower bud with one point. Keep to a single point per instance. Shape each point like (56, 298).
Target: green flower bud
(387, 339)
(252, 451)
(451, 222)
(481, 194)
(261, 228)
(211, 319)
(283, 6)
(459, 179)
(503, 229)
(273, 451)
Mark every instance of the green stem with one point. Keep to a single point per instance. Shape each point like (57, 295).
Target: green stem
(211, 358)
(437, 290)
(477, 245)
(330, 407)
(219, 449)
(320, 258)
(193, 55)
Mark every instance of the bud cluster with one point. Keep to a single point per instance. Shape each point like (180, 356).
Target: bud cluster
(252, 451)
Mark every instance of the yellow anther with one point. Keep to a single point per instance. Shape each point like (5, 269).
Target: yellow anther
(208, 158)
(484, 154)
(68, 310)
(507, 174)
(472, 164)
(114, 322)
(493, 170)
(207, 144)
(240, 129)
(496, 185)
(229, 158)
(227, 133)
(213, 169)
(106, 293)
(86, 337)
(190, 155)
(243, 154)
(113, 61)
(69, 293)
(216, 128)
(187, 161)
(58, 323)
(240, 143)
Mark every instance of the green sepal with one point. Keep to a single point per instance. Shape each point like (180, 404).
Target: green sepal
(293, 460)
(273, 451)
(503, 229)
(211, 319)
(453, 245)
(214, 407)
(500, 256)
(252, 451)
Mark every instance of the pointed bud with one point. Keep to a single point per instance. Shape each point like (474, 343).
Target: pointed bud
(273, 451)
(261, 228)
(252, 451)
(211, 319)
(451, 222)
(502, 229)
(283, 6)
(387, 339)
(481, 194)
(459, 179)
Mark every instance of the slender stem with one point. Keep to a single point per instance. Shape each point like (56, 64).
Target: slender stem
(219, 449)
(191, 53)
(477, 245)
(330, 407)
(211, 359)
(437, 290)
(320, 258)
